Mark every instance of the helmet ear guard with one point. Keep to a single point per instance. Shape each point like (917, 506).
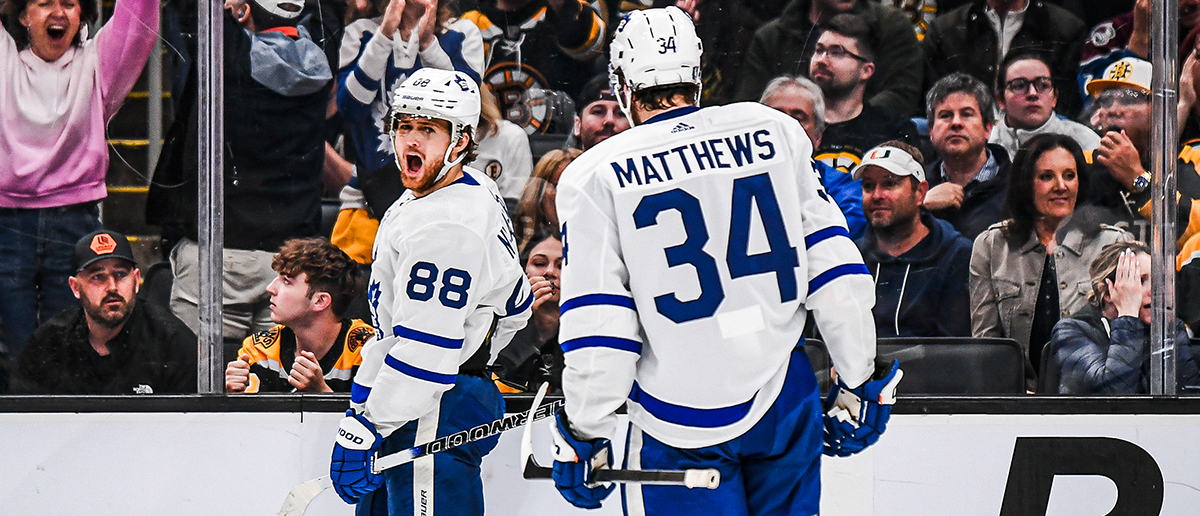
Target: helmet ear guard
(438, 94)
(286, 9)
(652, 48)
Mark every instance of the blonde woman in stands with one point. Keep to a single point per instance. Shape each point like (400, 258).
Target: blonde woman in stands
(536, 211)
(58, 90)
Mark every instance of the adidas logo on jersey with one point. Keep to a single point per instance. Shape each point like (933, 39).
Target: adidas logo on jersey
(681, 128)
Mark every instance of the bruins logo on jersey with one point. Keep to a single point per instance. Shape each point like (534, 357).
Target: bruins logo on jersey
(358, 337)
(266, 338)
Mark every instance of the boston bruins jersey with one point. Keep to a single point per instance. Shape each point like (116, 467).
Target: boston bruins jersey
(272, 352)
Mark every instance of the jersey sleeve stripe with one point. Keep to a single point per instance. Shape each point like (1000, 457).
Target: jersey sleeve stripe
(629, 345)
(418, 373)
(512, 308)
(597, 299)
(432, 340)
(841, 270)
(359, 393)
(688, 416)
(824, 234)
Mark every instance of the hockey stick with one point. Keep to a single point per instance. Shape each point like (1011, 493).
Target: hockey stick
(302, 495)
(690, 478)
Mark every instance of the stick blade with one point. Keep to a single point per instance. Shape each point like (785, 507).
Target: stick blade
(302, 495)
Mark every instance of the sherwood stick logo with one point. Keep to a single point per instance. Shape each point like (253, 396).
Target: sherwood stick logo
(489, 429)
(1036, 460)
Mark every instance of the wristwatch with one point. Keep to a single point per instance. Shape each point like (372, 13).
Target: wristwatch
(1141, 183)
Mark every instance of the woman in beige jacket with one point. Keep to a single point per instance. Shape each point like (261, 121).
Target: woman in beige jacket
(1029, 271)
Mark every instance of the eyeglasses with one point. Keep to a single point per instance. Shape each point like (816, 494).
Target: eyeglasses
(836, 52)
(1021, 85)
(1122, 96)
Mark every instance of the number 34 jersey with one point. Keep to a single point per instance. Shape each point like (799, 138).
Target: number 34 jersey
(693, 245)
(445, 272)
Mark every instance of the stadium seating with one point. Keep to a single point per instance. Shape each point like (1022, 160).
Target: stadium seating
(956, 365)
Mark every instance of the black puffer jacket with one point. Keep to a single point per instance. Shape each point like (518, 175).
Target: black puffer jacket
(1114, 360)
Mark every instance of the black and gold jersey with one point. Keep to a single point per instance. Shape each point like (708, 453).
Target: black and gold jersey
(273, 351)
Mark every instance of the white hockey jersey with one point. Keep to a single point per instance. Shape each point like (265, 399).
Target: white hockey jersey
(692, 247)
(445, 268)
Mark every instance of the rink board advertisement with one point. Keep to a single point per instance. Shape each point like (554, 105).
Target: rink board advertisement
(245, 463)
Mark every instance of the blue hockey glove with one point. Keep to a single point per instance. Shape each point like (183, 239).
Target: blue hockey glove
(573, 476)
(353, 455)
(855, 418)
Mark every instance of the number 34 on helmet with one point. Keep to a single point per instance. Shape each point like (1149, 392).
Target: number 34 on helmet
(651, 48)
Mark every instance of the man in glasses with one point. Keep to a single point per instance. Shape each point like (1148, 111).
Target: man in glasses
(1120, 176)
(1026, 94)
(843, 62)
(974, 38)
(785, 45)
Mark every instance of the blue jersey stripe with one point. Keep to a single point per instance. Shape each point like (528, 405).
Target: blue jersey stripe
(418, 373)
(597, 299)
(358, 393)
(511, 307)
(824, 234)
(688, 416)
(835, 273)
(629, 345)
(432, 340)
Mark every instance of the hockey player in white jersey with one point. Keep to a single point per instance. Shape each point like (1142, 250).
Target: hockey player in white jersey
(445, 284)
(693, 245)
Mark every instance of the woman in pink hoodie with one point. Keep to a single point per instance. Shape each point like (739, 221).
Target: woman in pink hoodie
(58, 90)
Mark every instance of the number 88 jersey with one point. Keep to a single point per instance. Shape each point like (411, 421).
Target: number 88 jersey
(693, 246)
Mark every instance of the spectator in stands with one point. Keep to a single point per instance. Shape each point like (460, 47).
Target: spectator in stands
(920, 13)
(1128, 35)
(967, 182)
(974, 38)
(109, 343)
(597, 116)
(919, 262)
(725, 28)
(1031, 270)
(277, 86)
(1187, 282)
(312, 347)
(1026, 94)
(785, 46)
(60, 90)
(503, 153)
(801, 99)
(376, 55)
(536, 212)
(1104, 348)
(1121, 165)
(842, 63)
(533, 356)
(537, 44)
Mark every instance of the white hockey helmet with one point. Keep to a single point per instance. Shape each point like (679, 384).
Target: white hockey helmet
(442, 94)
(653, 47)
(286, 9)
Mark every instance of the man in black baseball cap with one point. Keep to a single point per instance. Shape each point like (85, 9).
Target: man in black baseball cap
(110, 343)
(598, 116)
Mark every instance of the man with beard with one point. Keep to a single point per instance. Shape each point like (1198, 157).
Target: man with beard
(599, 116)
(445, 289)
(110, 343)
(920, 263)
(842, 64)
(967, 184)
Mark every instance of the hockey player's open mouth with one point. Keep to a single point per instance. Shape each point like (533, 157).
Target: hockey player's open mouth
(413, 164)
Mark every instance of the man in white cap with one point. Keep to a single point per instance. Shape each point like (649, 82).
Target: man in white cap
(919, 262)
(1120, 180)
